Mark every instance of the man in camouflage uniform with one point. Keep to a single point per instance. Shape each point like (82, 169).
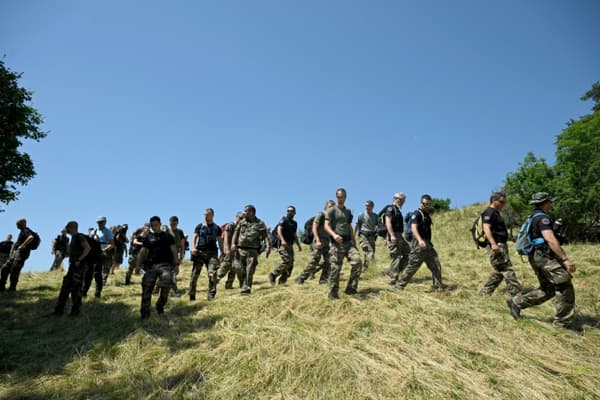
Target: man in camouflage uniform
(19, 254)
(249, 234)
(72, 283)
(136, 243)
(59, 250)
(366, 230)
(398, 248)
(179, 237)
(205, 252)
(229, 265)
(496, 235)
(287, 233)
(319, 248)
(552, 268)
(338, 224)
(421, 248)
(160, 257)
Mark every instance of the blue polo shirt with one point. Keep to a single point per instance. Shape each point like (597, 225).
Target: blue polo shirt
(103, 236)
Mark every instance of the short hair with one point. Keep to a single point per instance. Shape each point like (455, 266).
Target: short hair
(174, 219)
(250, 207)
(155, 219)
(210, 210)
(369, 203)
(239, 214)
(341, 190)
(426, 197)
(292, 207)
(72, 224)
(497, 196)
(22, 221)
(330, 203)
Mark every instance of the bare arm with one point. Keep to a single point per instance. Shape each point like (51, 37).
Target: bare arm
(315, 231)
(388, 226)
(141, 257)
(280, 235)
(174, 254)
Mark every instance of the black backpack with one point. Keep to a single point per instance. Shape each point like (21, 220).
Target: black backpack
(95, 254)
(381, 228)
(477, 232)
(307, 236)
(35, 243)
(274, 238)
(408, 235)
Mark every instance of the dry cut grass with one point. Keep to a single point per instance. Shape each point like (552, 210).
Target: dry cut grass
(291, 342)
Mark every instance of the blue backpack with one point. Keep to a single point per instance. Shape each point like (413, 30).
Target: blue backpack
(524, 245)
(408, 235)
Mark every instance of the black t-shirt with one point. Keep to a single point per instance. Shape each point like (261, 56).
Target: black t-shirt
(119, 239)
(5, 247)
(397, 219)
(288, 229)
(207, 236)
(541, 222)
(423, 222)
(499, 232)
(159, 247)
(61, 242)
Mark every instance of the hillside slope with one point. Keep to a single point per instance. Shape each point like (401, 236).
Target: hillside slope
(292, 342)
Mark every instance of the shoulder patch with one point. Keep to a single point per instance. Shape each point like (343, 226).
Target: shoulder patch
(546, 221)
(486, 217)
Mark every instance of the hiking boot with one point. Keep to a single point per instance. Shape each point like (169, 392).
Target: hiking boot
(515, 311)
(333, 295)
(323, 281)
(282, 280)
(299, 281)
(160, 309)
(271, 279)
(175, 293)
(97, 295)
(398, 288)
(228, 285)
(192, 297)
(350, 291)
(573, 328)
(210, 296)
(145, 314)
(246, 292)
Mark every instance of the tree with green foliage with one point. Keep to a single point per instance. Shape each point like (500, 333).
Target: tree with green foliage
(574, 179)
(18, 121)
(438, 205)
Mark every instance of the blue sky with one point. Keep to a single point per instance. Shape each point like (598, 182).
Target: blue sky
(170, 107)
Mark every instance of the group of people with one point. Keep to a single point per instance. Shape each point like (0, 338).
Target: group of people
(232, 250)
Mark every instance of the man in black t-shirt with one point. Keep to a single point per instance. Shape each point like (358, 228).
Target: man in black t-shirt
(496, 235)
(287, 232)
(421, 248)
(18, 255)
(397, 246)
(205, 252)
(552, 268)
(160, 257)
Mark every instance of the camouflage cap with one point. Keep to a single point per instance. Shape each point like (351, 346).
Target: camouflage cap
(540, 197)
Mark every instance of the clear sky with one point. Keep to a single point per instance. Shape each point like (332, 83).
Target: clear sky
(167, 108)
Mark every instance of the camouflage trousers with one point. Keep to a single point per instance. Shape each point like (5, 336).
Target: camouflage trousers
(12, 267)
(286, 265)
(93, 273)
(367, 244)
(315, 258)
(131, 267)
(59, 256)
(337, 252)
(211, 260)
(416, 257)
(72, 284)
(163, 274)
(503, 270)
(248, 261)
(554, 280)
(399, 252)
(229, 267)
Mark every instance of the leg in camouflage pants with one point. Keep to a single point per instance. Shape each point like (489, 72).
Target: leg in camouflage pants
(367, 244)
(313, 264)
(131, 267)
(337, 252)
(399, 252)
(210, 259)
(229, 266)
(416, 257)
(554, 280)
(162, 273)
(248, 261)
(284, 270)
(503, 270)
(72, 285)
(59, 256)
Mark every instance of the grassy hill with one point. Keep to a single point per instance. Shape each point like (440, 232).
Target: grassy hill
(291, 342)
